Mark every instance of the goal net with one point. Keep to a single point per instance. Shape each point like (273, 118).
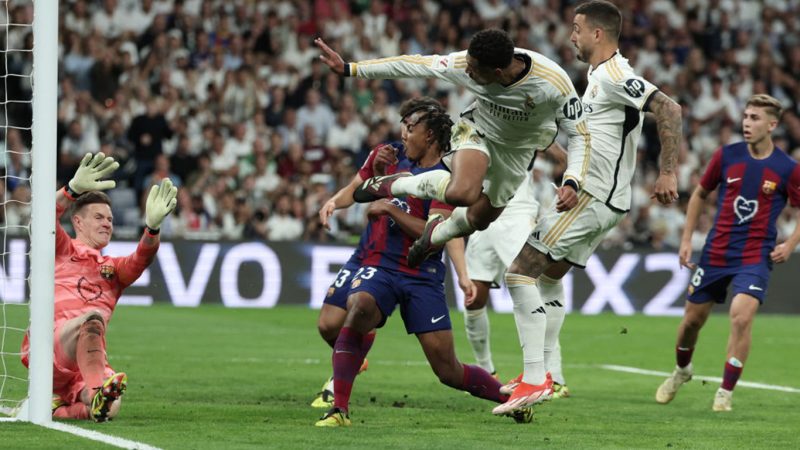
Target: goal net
(28, 60)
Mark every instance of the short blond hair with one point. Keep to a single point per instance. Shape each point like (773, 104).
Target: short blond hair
(768, 102)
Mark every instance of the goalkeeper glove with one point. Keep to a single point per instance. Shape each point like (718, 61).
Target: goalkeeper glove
(160, 202)
(91, 170)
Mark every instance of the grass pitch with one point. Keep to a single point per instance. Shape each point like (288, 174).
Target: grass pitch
(211, 377)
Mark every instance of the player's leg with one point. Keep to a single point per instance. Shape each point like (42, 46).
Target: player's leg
(440, 352)
(552, 291)
(694, 317)
(531, 321)
(331, 320)
(476, 324)
(742, 313)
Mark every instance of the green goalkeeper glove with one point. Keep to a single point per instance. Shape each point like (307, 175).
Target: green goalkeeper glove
(91, 170)
(160, 202)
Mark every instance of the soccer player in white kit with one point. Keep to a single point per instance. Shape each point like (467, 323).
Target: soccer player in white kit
(614, 102)
(521, 100)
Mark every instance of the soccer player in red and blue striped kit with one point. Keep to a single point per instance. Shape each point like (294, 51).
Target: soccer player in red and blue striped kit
(385, 281)
(755, 179)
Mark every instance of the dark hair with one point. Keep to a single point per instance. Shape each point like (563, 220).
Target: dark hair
(602, 14)
(435, 118)
(492, 48)
(90, 198)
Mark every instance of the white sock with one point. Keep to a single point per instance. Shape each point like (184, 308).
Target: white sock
(455, 226)
(428, 185)
(531, 319)
(476, 322)
(552, 292)
(329, 386)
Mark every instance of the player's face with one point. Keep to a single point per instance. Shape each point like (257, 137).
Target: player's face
(94, 224)
(757, 124)
(479, 75)
(415, 136)
(582, 37)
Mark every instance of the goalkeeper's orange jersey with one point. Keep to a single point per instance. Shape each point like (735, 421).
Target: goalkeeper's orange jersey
(86, 280)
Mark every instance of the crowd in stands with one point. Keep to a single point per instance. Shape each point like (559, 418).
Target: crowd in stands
(229, 99)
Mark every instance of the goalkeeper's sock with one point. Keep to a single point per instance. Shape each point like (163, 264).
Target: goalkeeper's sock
(90, 353)
(455, 226)
(733, 370)
(347, 359)
(74, 411)
(531, 319)
(476, 322)
(429, 185)
(482, 384)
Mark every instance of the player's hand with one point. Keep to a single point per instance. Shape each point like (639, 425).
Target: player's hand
(666, 190)
(469, 289)
(326, 212)
(379, 208)
(330, 57)
(685, 255)
(781, 253)
(567, 198)
(386, 156)
(91, 171)
(160, 202)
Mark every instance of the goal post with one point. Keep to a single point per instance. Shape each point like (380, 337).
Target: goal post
(43, 216)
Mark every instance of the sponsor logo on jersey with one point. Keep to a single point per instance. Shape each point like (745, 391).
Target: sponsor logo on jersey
(634, 87)
(573, 109)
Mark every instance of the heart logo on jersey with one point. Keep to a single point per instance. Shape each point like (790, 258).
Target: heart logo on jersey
(745, 209)
(89, 291)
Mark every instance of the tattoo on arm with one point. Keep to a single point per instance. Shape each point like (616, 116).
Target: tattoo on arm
(668, 123)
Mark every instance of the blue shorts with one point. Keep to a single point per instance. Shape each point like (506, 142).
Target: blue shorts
(337, 293)
(423, 306)
(711, 282)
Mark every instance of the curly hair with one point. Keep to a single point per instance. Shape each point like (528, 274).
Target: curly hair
(492, 48)
(435, 119)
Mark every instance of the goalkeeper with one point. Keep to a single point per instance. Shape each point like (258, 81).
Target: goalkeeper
(88, 286)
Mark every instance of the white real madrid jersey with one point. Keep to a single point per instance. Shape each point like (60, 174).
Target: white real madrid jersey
(613, 103)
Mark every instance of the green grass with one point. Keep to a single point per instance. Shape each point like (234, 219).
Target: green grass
(211, 377)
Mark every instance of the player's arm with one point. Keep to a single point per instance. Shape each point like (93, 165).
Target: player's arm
(456, 250)
(412, 226)
(670, 131)
(696, 203)
(161, 201)
(570, 117)
(450, 67)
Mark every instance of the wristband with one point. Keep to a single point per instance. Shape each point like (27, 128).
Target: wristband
(72, 195)
(571, 182)
(151, 231)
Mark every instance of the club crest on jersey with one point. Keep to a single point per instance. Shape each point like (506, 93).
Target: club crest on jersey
(331, 291)
(768, 187)
(593, 94)
(402, 205)
(529, 103)
(745, 209)
(356, 283)
(107, 272)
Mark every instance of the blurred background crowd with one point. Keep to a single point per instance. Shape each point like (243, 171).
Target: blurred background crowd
(229, 99)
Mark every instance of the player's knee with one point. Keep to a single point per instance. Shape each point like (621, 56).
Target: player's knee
(328, 330)
(740, 322)
(93, 326)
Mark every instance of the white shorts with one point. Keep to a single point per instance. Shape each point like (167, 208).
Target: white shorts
(491, 251)
(507, 167)
(575, 234)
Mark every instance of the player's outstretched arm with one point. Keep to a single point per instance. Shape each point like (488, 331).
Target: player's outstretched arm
(90, 174)
(696, 202)
(342, 199)
(670, 133)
